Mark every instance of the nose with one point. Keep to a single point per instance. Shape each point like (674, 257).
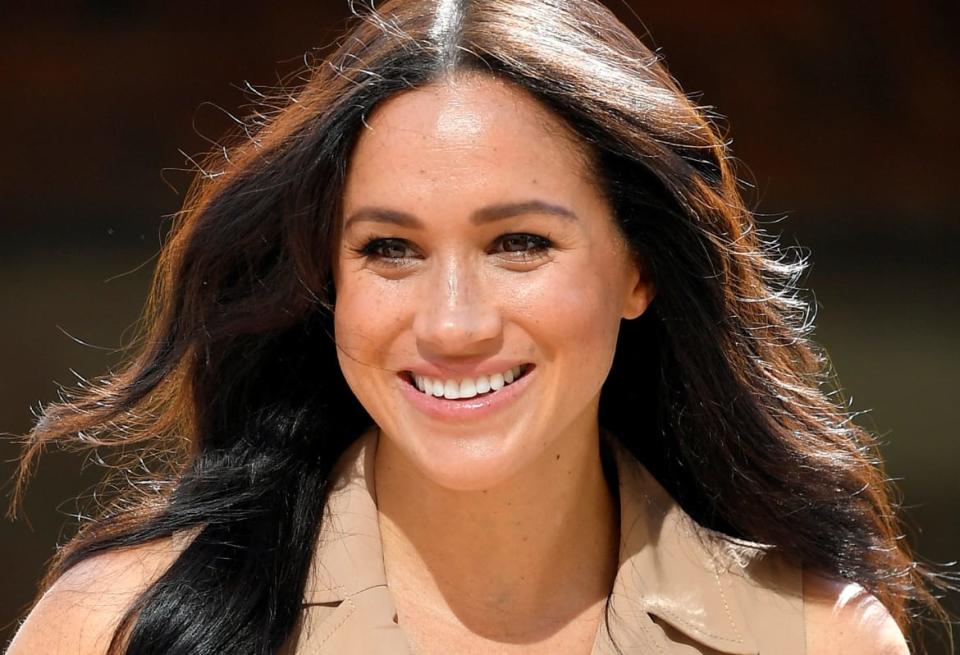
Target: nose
(457, 315)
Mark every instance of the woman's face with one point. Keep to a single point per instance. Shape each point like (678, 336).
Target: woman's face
(477, 249)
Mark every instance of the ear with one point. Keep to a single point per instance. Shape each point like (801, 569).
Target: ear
(640, 291)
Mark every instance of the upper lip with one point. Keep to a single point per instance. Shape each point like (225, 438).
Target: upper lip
(454, 371)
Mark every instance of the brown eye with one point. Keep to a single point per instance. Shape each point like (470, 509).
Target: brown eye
(387, 249)
(524, 247)
(388, 252)
(524, 243)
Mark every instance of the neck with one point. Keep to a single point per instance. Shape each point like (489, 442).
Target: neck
(543, 544)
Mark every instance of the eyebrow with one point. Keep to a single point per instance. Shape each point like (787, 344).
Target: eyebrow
(481, 216)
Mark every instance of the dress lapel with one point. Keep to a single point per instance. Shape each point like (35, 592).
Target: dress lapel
(672, 569)
(673, 575)
(349, 607)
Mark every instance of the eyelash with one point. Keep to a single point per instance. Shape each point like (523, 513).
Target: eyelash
(539, 247)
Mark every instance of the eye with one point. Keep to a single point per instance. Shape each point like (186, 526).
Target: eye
(518, 247)
(390, 251)
(523, 247)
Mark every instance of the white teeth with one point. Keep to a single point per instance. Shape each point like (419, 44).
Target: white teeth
(451, 390)
(468, 387)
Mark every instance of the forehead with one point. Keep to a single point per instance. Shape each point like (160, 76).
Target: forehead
(468, 132)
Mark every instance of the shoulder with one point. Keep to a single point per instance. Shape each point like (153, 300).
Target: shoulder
(842, 617)
(80, 611)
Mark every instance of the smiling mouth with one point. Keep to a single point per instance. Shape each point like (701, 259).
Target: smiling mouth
(466, 388)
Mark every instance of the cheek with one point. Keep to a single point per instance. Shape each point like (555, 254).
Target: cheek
(573, 315)
(366, 317)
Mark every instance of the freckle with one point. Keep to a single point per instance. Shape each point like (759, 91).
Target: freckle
(558, 457)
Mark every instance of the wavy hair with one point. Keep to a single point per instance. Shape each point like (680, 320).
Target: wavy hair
(234, 391)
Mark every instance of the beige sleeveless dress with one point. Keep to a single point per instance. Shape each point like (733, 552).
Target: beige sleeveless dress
(679, 589)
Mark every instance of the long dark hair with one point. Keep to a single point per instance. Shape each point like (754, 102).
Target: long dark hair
(235, 392)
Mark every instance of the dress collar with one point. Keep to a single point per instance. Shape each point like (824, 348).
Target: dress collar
(669, 568)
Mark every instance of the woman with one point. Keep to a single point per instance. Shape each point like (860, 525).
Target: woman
(473, 345)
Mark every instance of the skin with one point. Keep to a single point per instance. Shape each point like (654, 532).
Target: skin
(78, 614)
(521, 492)
(441, 155)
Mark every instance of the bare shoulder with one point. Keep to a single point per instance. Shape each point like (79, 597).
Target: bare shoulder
(841, 617)
(80, 611)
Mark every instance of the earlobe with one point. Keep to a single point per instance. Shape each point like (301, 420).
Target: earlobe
(641, 293)
(639, 302)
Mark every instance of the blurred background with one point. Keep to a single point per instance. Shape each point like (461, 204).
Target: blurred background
(843, 115)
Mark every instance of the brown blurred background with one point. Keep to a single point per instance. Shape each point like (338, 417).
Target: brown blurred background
(843, 113)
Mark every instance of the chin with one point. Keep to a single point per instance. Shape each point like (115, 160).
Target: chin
(461, 463)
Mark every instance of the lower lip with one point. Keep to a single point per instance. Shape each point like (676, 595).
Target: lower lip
(466, 409)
